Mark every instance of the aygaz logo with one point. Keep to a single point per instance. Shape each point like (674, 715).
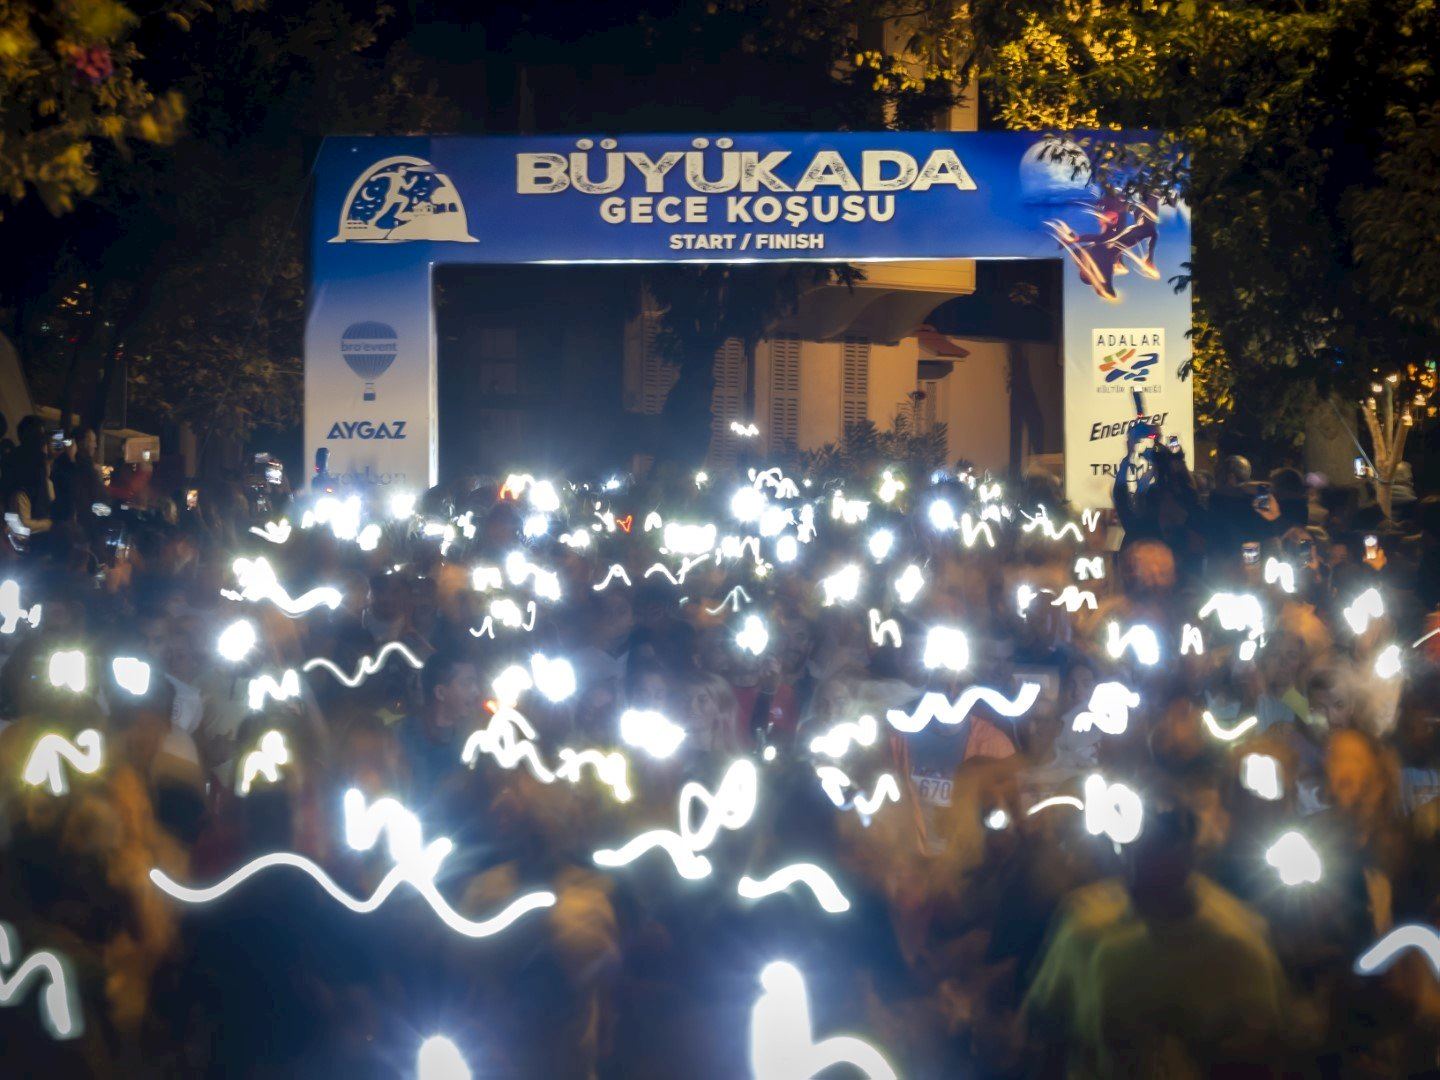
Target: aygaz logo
(1128, 360)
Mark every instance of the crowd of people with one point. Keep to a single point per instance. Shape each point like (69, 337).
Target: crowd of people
(1096, 794)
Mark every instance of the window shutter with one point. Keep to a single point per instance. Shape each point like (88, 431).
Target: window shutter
(726, 401)
(784, 428)
(855, 383)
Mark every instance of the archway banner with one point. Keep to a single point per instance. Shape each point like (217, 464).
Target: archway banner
(388, 210)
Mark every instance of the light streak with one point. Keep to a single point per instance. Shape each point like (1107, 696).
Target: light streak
(650, 731)
(1109, 709)
(402, 505)
(686, 565)
(543, 497)
(775, 519)
(534, 525)
(850, 511)
(265, 686)
(67, 669)
(753, 637)
(787, 549)
(555, 679)
(833, 781)
(1294, 859)
(1141, 639)
(1387, 664)
(1260, 773)
(782, 1045)
(934, 706)
(416, 865)
(611, 769)
(733, 599)
(890, 487)
(1237, 612)
(942, 516)
(236, 640)
(836, 742)
(689, 539)
(11, 613)
(1091, 519)
(730, 807)
(820, 883)
(369, 538)
(842, 586)
(702, 478)
(1282, 572)
(880, 543)
(1227, 734)
(886, 790)
(368, 665)
(515, 485)
(1025, 595)
(576, 538)
(1042, 521)
(748, 504)
(131, 675)
(264, 761)
(44, 765)
(971, 530)
(342, 515)
(59, 1006)
(997, 819)
(883, 629)
(805, 532)
(948, 648)
(545, 583)
(1113, 810)
(485, 578)
(274, 532)
(745, 431)
(615, 571)
(1378, 958)
(652, 521)
(1092, 569)
(511, 683)
(909, 583)
(1191, 641)
(439, 1059)
(257, 582)
(990, 492)
(1072, 599)
(1054, 801)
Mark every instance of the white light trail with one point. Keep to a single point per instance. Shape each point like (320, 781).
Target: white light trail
(948, 648)
(368, 665)
(236, 641)
(545, 583)
(836, 742)
(1365, 607)
(1260, 773)
(1388, 663)
(440, 1059)
(265, 761)
(257, 582)
(485, 578)
(782, 1045)
(745, 431)
(882, 630)
(909, 583)
(942, 516)
(1072, 599)
(51, 752)
(402, 505)
(787, 549)
(686, 565)
(611, 769)
(1109, 709)
(265, 686)
(1237, 611)
(1191, 640)
(1090, 519)
(880, 544)
(1091, 569)
(730, 807)
(733, 599)
(689, 539)
(1054, 801)
(997, 819)
(753, 637)
(817, 880)
(850, 511)
(934, 706)
(651, 732)
(1378, 958)
(416, 865)
(890, 487)
(1294, 859)
(131, 674)
(971, 530)
(1042, 521)
(747, 504)
(1140, 639)
(67, 670)
(555, 679)
(1025, 595)
(1113, 810)
(842, 586)
(1282, 572)
(1227, 734)
(11, 613)
(273, 532)
(59, 1005)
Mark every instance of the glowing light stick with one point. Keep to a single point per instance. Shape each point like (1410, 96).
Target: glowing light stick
(934, 706)
(131, 675)
(265, 761)
(274, 532)
(733, 599)
(909, 583)
(611, 769)
(753, 637)
(948, 648)
(842, 586)
(1090, 569)
(971, 530)
(67, 669)
(650, 731)
(782, 1045)
(1227, 734)
(1113, 810)
(1260, 773)
(236, 640)
(808, 874)
(1387, 664)
(1294, 860)
(59, 1006)
(880, 543)
(1140, 639)
(1072, 599)
(883, 629)
(368, 665)
(416, 865)
(1109, 709)
(257, 582)
(729, 808)
(1378, 958)
(439, 1059)
(689, 539)
(1282, 572)
(44, 765)
(1191, 641)
(265, 686)
(11, 613)
(836, 742)
(890, 487)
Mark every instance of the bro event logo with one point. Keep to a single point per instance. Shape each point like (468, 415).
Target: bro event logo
(1129, 360)
(368, 348)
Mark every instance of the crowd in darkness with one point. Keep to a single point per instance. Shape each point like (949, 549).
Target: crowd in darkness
(986, 934)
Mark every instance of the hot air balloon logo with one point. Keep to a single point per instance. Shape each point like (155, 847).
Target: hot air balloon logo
(368, 349)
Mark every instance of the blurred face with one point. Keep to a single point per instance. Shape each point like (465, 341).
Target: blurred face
(1352, 771)
(459, 698)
